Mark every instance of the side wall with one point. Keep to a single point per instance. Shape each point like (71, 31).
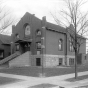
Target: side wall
(53, 54)
(52, 42)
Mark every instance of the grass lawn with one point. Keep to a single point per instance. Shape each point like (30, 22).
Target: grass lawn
(78, 78)
(43, 86)
(35, 71)
(5, 80)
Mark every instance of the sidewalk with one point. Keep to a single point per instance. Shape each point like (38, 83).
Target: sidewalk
(28, 82)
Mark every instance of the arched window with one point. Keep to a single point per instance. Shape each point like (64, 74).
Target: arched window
(17, 36)
(27, 29)
(71, 48)
(60, 44)
(38, 32)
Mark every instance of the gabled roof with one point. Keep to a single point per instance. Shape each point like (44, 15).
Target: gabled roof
(50, 26)
(5, 39)
(27, 14)
(55, 27)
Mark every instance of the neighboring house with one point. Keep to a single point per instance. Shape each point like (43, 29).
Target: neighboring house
(4, 46)
(47, 42)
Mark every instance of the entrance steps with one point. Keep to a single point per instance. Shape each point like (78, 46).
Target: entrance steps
(22, 60)
(7, 59)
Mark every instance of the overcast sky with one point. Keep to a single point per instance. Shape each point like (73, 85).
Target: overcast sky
(38, 7)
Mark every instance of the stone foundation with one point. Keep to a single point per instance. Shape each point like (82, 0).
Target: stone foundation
(53, 60)
(48, 60)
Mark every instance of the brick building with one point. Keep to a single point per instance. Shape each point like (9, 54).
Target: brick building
(42, 42)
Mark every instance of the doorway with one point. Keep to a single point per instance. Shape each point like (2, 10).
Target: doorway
(25, 47)
(38, 61)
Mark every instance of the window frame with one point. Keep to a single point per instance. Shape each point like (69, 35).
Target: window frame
(60, 61)
(38, 52)
(71, 47)
(38, 47)
(2, 51)
(24, 27)
(38, 32)
(16, 47)
(71, 61)
(60, 44)
(17, 36)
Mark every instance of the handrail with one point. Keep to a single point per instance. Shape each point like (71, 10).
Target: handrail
(10, 57)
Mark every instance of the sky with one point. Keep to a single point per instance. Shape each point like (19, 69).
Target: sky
(38, 7)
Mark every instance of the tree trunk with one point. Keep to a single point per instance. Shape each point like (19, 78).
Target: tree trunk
(75, 64)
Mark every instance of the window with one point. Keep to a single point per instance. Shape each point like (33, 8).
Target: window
(71, 61)
(27, 29)
(38, 32)
(60, 61)
(60, 44)
(17, 36)
(1, 54)
(71, 48)
(38, 52)
(38, 44)
(17, 47)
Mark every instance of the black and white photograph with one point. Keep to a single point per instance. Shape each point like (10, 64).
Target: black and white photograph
(43, 43)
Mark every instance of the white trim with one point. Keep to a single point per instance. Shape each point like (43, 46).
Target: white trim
(70, 56)
(54, 55)
(50, 55)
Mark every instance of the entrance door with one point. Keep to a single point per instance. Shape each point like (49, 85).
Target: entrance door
(27, 47)
(38, 61)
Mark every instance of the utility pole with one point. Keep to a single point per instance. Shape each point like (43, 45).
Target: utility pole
(75, 49)
(42, 47)
(43, 43)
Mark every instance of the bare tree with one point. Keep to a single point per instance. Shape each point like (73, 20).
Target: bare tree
(79, 22)
(6, 19)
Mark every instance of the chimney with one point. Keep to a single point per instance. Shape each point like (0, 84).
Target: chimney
(44, 21)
